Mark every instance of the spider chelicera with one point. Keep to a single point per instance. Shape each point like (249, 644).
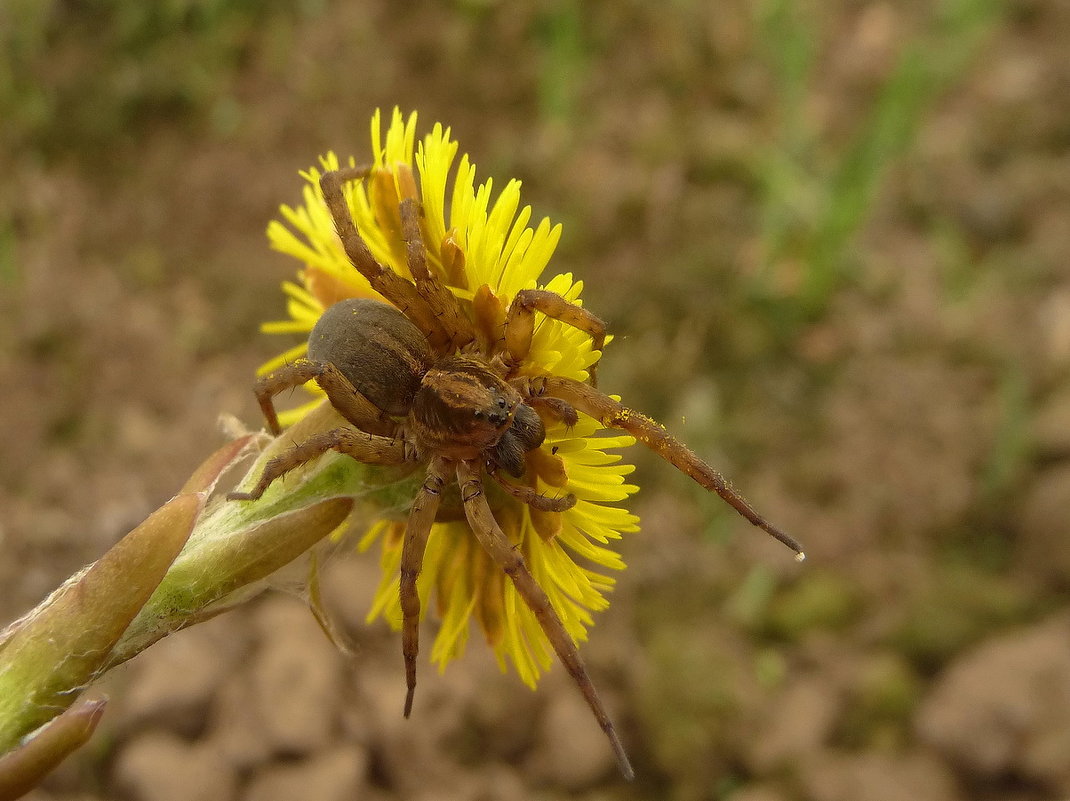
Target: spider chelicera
(419, 385)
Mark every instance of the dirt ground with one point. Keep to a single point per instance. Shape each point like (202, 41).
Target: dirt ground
(832, 242)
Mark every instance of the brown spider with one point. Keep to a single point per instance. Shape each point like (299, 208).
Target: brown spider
(417, 387)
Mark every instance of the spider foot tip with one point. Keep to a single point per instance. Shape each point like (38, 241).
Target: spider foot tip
(623, 763)
(627, 772)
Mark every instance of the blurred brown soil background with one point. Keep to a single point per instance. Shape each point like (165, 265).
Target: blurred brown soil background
(831, 239)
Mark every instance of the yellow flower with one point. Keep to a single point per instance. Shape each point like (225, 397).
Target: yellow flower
(482, 248)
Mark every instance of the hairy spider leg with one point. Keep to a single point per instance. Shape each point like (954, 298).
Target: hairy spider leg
(497, 545)
(520, 323)
(344, 397)
(443, 304)
(612, 414)
(399, 291)
(364, 447)
(537, 501)
(421, 517)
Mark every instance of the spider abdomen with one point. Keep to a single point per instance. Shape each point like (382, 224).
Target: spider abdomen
(382, 354)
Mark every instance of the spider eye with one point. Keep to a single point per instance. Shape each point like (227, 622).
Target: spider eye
(501, 403)
(478, 414)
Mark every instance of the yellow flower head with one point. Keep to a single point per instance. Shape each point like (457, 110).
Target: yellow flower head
(480, 246)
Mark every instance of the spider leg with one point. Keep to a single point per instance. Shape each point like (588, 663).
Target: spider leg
(443, 304)
(363, 447)
(396, 289)
(612, 414)
(344, 397)
(535, 500)
(520, 323)
(497, 545)
(421, 516)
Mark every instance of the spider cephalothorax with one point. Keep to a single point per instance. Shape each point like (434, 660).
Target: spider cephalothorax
(419, 382)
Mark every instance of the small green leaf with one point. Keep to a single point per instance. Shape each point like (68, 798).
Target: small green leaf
(23, 768)
(51, 654)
